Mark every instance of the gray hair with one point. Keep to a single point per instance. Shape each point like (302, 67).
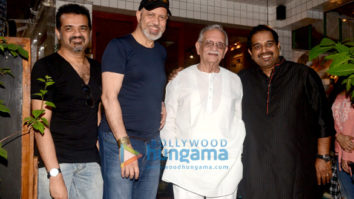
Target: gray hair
(213, 27)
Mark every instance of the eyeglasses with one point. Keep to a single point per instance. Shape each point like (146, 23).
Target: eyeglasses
(89, 99)
(219, 45)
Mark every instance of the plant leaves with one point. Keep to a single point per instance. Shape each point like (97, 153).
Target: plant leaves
(3, 152)
(41, 79)
(349, 84)
(341, 48)
(45, 121)
(43, 91)
(50, 104)
(29, 120)
(37, 113)
(38, 126)
(338, 59)
(327, 42)
(12, 47)
(38, 94)
(343, 70)
(318, 50)
(3, 108)
(23, 53)
(13, 53)
(2, 47)
(349, 43)
(49, 83)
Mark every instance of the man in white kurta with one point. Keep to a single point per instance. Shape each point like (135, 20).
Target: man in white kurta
(204, 131)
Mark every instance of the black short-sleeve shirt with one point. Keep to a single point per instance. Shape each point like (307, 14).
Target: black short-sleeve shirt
(74, 120)
(143, 85)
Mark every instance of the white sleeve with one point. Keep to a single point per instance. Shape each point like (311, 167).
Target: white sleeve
(168, 133)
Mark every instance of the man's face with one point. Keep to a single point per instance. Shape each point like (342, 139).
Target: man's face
(213, 48)
(74, 33)
(264, 50)
(153, 22)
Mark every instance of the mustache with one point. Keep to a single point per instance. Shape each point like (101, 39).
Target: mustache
(76, 37)
(154, 26)
(266, 53)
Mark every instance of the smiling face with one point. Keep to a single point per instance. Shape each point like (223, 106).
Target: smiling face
(74, 32)
(212, 48)
(264, 50)
(152, 23)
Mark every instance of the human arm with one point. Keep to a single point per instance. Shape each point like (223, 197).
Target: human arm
(323, 168)
(345, 142)
(111, 85)
(47, 152)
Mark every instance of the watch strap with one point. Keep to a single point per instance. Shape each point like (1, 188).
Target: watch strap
(48, 173)
(325, 157)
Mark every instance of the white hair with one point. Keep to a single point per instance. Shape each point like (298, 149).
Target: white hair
(213, 27)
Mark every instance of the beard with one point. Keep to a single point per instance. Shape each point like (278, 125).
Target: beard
(148, 35)
(78, 46)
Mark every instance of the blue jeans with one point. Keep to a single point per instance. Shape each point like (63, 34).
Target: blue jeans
(82, 180)
(346, 183)
(149, 168)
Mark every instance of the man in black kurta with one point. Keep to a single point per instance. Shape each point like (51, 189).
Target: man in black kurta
(288, 124)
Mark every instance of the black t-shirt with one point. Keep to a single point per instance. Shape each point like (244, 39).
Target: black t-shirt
(74, 120)
(143, 86)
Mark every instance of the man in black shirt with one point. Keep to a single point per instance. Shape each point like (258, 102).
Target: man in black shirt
(69, 165)
(288, 124)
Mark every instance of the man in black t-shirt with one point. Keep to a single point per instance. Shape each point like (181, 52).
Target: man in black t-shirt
(133, 81)
(69, 164)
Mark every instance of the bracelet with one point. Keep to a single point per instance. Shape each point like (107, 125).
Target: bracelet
(123, 140)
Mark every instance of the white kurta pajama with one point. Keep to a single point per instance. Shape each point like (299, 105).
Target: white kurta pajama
(204, 108)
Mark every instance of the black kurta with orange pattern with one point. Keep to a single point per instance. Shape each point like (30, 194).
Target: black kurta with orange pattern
(284, 115)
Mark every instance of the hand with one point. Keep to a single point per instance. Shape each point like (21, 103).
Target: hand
(57, 188)
(174, 73)
(163, 115)
(345, 141)
(346, 167)
(130, 169)
(323, 171)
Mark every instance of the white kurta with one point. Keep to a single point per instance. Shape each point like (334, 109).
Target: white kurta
(204, 132)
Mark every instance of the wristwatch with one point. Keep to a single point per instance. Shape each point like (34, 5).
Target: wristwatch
(53, 172)
(325, 157)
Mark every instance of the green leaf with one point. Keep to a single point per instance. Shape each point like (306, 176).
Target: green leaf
(341, 48)
(38, 126)
(41, 79)
(318, 50)
(38, 94)
(349, 84)
(50, 104)
(29, 120)
(13, 53)
(45, 121)
(343, 70)
(49, 83)
(338, 59)
(12, 47)
(3, 152)
(327, 42)
(2, 47)
(349, 43)
(23, 52)
(43, 91)
(37, 113)
(3, 108)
